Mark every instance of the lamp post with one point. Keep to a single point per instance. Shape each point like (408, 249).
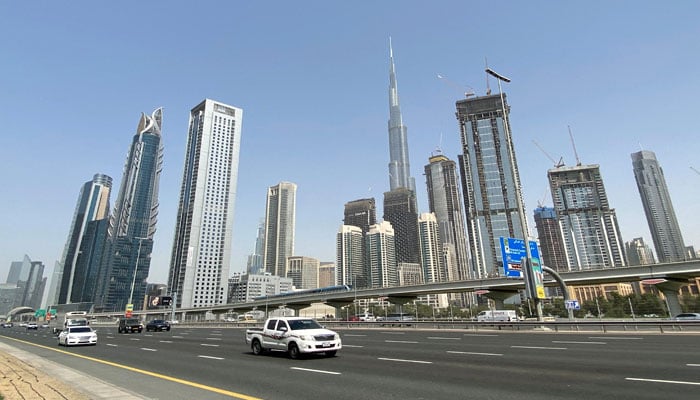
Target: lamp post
(136, 268)
(518, 192)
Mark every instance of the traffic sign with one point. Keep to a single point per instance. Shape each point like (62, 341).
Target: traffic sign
(513, 251)
(572, 305)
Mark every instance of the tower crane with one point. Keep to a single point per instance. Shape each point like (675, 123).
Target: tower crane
(696, 171)
(466, 94)
(556, 164)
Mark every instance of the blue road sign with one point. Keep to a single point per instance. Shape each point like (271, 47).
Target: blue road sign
(513, 251)
(572, 305)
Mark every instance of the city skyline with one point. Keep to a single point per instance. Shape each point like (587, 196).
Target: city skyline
(600, 81)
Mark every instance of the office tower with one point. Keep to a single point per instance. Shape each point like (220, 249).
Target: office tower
(255, 260)
(361, 213)
(82, 254)
(490, 180)
(638, 252)
(400, 211)
(326, 274)
(663, 225)
(588, 225)
(132, 224)
(399, 166)
(381, 255)
(350, 256)
(248, 287)
(552, 248)
(303, 271)
(201, 255)
(431, 249)
(26, 281)
(444, 201)
(280, 215)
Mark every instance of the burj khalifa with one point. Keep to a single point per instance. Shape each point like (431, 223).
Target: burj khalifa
(399, 166)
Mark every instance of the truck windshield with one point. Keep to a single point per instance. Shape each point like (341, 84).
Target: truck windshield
(299, 324)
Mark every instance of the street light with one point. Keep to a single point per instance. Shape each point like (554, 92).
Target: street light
(136, 268)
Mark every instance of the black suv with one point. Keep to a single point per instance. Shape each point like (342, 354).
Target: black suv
(158, 325)
(130, 325)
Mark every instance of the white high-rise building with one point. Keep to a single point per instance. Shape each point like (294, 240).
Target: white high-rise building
(280, 214)
(199, 267)
(381, 255)
(350, 257)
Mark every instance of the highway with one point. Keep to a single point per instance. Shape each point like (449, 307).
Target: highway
(206, 363)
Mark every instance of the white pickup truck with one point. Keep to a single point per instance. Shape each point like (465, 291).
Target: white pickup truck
(295, 335)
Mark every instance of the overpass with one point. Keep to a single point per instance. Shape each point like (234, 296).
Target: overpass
(668, 278)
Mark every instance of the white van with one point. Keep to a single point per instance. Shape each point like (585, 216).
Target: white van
(497, 316)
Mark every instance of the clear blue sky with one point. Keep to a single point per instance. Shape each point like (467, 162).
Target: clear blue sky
(312, 79)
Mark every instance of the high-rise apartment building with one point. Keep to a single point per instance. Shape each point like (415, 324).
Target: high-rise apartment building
(588, 225)
(280, 215)
(658, 208)
(490, 180)
(401, 211)
(350, 257)
(381, 255)
(399, 165)
(431, 249)
(638, 252)
(552, 248)
(201, 255)
(75, 281)
(444, 201)
(132, 224)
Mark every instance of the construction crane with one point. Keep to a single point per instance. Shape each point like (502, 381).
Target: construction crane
(556, 164)
(573, 144)
(466, 94)
(696, 171)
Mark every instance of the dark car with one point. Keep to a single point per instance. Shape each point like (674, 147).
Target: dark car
(130, 325)
(158, 325)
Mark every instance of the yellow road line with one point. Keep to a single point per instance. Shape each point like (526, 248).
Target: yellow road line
(144, 372)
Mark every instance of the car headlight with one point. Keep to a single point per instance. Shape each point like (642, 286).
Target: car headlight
(305, 337)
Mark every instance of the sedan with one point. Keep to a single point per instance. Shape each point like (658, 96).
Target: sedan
(687, 317)
(75, 335)
(32, 325)
(158, 325)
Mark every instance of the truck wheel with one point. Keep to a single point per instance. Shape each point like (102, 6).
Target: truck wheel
(256, 347)
(331, 353)
(293, 351)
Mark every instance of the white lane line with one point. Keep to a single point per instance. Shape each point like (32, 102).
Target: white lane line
(692, 365)
(211, 358)
(350, 345)
(351, 335)
(178, 337)
(134, 339)
(400, 341)
(316, 370)
(393, 333)
(215, 334)
(147, 349)
(408, 361)
(165, 341)
(573, 342)
(443, 338)
(209, 345)
(662, 381)
(538, 347)
(474, 353)
(479, 334)
(615, 338)
(213, 338)
(111, 345)
(112, 337)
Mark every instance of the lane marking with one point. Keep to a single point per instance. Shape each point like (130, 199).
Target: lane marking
(351, 335)
(147, 349)
(615, 338)
(145, 372)
(316, 370)
(538, 347)
(662, 381)
(479, 335)
(349, 345)
(111, 345)
(209, 345)
(408, 361)
(134, 339)
(474, 353)
(693, 365)
(214, 338)
(178, 337)
(215, 334)
(211, 357)
(574, 342)
(393, 333)
(443, 338)
(165, 341)
(400, 341)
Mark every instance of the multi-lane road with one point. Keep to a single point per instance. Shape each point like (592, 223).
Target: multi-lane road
(205, 363)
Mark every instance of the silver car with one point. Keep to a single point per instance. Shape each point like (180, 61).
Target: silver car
(687, 317)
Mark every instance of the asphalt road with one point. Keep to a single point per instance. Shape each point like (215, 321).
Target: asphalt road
(204, 363)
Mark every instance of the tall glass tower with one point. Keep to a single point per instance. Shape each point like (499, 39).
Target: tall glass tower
(399, 165)
(280, 216)
(663, 225)
(490, 180)
(201, 256)
(132, 225)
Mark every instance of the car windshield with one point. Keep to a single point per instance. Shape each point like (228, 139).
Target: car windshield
(81, 329)
(298, 324)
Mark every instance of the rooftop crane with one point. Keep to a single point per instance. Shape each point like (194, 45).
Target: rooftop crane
(466, 94)
(556, 164)
(696, 171)
(573, 144)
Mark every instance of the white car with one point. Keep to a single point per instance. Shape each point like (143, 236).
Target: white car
(75, 335)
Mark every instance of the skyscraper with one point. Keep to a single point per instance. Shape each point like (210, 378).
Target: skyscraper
(444, 201)
(400, 211)
(255, 261)
(431, 249)
(381, 255)
(551, 243)
(303, 271)
(399, 165)
(638, 252)
(350, 256)
(663, 225)
(280, 215)
(588, 225)
(132, 224)
(361, 213)
(82, 253)
(490, 180)
(201, 256)
(28, 277)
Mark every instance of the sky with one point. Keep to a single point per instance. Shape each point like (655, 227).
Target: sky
(312, 79)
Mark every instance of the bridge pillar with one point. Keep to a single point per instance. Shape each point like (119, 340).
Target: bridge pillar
(499, 297)
(670, 290)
